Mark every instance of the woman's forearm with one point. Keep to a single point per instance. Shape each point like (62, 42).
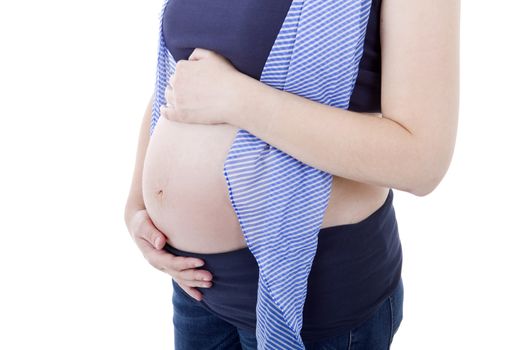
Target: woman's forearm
(135, 199)
(357, 146)
(410, 148)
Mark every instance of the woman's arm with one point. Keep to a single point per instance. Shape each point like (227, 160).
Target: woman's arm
(135, 200)
(411, 146)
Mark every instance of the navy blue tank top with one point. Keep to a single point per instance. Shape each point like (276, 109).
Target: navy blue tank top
(244, 32)
(357, 265)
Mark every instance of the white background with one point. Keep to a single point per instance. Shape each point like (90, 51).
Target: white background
(75, 78)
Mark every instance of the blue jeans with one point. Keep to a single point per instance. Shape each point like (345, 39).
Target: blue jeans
(196, 328)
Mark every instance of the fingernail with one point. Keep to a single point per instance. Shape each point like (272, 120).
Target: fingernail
(157, 242)
(206, 278)
(198, 264)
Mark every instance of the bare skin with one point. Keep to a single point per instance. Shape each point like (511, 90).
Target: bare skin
(186, 196)
(148, 238)
(408, 147)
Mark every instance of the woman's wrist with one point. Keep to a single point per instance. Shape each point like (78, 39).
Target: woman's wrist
(256, 104)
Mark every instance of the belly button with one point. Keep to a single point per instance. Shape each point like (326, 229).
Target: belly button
(160, 193)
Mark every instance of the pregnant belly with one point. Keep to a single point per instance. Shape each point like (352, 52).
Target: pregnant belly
(186, 194)
(184, 188)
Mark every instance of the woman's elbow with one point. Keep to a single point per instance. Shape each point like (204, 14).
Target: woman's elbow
(432, 167)
(426, 184)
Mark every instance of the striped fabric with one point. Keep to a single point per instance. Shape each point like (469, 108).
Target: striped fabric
(280, 201)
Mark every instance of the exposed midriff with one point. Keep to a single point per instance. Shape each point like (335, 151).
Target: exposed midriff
(186, 194)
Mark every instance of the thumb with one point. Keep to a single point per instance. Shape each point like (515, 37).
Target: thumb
(159, 241)
(156, 238)
(198, 54)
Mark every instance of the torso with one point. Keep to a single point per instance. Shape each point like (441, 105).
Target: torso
(184, 188)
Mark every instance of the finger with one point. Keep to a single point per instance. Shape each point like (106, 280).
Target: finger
(193, 292)
(198, 53)
(165, 261)
(185, 268)
(180, 62)
(184, 262)
(195, 275)
(177, 266)
(153, 256)
(194, 283)
(153, 236)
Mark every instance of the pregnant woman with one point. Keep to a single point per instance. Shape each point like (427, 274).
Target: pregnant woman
(398, 133)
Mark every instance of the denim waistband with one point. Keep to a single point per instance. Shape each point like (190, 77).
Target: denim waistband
(355, 268)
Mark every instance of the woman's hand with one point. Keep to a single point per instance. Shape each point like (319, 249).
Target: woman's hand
(204, 89)
(182, 269)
